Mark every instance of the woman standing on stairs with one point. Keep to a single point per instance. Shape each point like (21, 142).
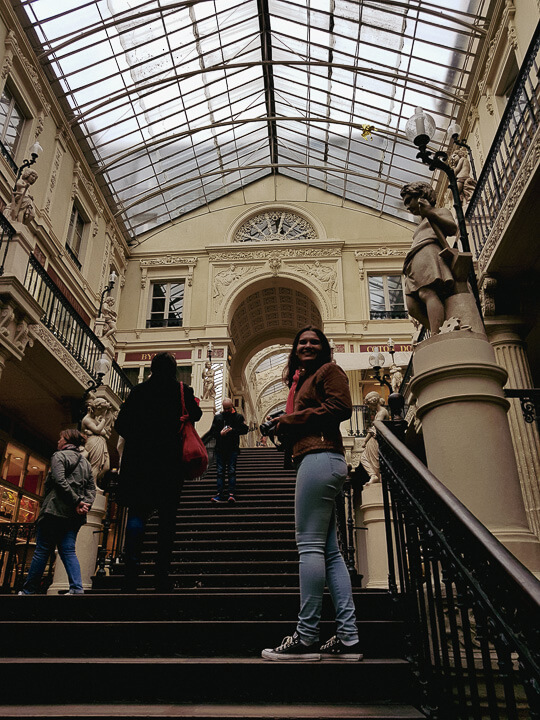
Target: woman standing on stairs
(319, 400)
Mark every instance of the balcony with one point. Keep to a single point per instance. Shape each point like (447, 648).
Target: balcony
(508, 177)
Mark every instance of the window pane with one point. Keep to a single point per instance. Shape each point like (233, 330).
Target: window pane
(11, 121)
(395, 292)
(376, 293)
(176, 302)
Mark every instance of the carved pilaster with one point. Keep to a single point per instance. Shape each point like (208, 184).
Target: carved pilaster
(506, 337)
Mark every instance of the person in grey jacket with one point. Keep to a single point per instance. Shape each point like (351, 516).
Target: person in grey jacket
(69, 493)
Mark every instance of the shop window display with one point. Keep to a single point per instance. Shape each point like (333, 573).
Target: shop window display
(21, 485)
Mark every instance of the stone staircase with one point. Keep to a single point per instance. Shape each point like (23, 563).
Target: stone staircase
(195, 652)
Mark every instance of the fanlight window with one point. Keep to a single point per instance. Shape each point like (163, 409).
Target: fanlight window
(275, 225)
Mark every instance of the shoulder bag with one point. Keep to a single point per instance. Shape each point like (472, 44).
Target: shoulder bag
(194, 453)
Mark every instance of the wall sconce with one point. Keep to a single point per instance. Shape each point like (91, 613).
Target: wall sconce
(102, 367)
(376, 360)
(112, 279)
(35, 151)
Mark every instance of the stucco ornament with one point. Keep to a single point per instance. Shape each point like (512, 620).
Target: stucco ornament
(370, 455)
(326, 276)
(275, 225)
(226, 280)
(21, 206)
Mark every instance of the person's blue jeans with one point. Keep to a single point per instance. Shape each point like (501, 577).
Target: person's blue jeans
(320, 477)
(226, 463)
(54, 533)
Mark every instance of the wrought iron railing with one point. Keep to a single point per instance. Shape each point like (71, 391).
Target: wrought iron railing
(5, 238)
(62, 319)
(17, 544)
(473, 631)
(345, 526)
(360, 421)
(118, 381)
(516, 131)
(113, 529)
(388, 314)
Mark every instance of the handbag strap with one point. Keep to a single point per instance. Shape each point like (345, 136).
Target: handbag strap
(184, 411)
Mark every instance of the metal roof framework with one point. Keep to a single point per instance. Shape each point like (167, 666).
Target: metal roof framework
(177, 104)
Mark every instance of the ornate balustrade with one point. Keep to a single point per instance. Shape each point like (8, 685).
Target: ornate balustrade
(62, 319)
(516, 132)
(7, 233)
(471, 608)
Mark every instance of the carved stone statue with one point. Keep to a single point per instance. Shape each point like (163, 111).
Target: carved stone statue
(209, 389)
(370, 457)
(21, 206)
(109, 316)
(428, 279)
(459, 161)
(396, 377)
(97, 425)
(436, 275)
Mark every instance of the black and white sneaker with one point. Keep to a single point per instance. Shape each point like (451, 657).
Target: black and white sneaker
(336, 650)
(292, 648)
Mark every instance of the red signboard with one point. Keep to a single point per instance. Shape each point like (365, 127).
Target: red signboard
(147, 356)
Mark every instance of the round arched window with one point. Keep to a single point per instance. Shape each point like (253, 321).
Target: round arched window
(275, 225)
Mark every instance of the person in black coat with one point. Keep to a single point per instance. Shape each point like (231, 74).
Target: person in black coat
(150, 475)
(227, 428)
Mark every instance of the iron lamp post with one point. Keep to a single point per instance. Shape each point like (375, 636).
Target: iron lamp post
(112, 279)
(35, 150)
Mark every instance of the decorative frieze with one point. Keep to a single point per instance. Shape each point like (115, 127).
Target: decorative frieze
(325, 275)
(60, 352)
(380, 252)
(227, 280)
(283, 254)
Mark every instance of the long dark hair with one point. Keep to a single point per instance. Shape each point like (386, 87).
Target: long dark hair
(73, 437)
(293, 363)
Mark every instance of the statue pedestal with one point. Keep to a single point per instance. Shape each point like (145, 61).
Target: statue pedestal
(460, 401)
(86, 549)
(372, 514)
(205, 423)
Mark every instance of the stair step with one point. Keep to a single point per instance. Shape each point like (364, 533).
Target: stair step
(229, 604)
(179, 638)
(386, 711)
(190, 679)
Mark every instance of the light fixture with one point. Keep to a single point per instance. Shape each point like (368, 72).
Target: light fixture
(454, 130)
(101, 368)
(112, 279)
(35, 151)
(420, 128)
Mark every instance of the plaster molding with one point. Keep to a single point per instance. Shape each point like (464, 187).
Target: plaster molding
(226, 280)
(168, 260)
(380, 252)
(13, 51)
(59, 351)
(324, 275)
(270, 253)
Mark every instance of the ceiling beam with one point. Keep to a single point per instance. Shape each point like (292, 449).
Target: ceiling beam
(268, 76)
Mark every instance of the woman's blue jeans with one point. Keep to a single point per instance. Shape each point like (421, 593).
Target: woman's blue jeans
(320, 477)
(52, 533)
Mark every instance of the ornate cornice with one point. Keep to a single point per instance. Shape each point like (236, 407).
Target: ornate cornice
(60, 352)
(273, 253)
(13, 50)
(380, 252)
(168, 260)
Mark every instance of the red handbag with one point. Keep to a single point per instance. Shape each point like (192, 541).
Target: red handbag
(194, 453)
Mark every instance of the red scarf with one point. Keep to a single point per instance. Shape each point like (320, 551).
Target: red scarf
(289, 407)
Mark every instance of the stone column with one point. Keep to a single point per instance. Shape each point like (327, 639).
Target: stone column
(461, 405)
(86, 548)
(505, 335)
(372, 515)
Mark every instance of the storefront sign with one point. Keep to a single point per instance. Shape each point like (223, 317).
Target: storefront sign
(147, 356)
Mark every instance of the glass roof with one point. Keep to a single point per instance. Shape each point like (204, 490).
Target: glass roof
(180, 103)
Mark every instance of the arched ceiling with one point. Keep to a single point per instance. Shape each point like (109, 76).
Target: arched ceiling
(177, 104)
(270, 312)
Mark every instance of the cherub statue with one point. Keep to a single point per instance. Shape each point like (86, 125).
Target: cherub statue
(97, 425)
(370, 457)
(21, 207)
(109, 316)
(209, 389)
(459, 161)
(428, 278)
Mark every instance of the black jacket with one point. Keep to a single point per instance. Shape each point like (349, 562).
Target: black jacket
(149, 422)
(228, 443)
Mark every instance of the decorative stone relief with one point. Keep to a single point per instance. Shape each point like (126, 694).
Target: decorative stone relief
(326, 276)
(227, 279)
(61, 353)
(284, 254)
(380, 252)
(13, 50)
(274, 261)
(275, 225)
(168, 260)
(487, 295)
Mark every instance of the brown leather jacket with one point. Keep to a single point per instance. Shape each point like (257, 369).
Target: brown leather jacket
(321, 402)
